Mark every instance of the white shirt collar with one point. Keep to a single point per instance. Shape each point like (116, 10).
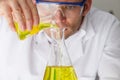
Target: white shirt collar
(85, 32)
(75, 43)
(88, 28)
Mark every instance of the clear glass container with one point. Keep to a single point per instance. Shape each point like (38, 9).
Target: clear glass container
(59, 66)
(45, 15)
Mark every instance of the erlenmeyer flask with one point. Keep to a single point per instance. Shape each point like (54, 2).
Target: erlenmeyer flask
(59, 65)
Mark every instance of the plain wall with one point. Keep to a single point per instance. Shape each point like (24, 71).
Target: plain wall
(108, 5)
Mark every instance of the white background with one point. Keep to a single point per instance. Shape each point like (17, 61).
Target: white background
(108, 5)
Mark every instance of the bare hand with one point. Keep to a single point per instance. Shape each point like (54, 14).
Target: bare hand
(24, 12)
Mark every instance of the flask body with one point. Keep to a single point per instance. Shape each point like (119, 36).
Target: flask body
(60, 73)
(59, 66)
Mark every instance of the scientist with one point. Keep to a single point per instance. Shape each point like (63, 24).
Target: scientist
(92, 39)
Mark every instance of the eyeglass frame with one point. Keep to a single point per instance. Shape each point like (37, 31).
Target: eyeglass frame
(67, 3)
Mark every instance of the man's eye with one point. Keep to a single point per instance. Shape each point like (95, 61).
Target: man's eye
(70, 7)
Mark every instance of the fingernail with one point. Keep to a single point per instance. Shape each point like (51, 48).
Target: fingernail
(29, 26)
(34, 1)
(35, 23)
(12, 27)
(22, 28)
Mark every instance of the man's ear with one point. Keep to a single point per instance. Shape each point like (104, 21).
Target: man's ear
(87, 7)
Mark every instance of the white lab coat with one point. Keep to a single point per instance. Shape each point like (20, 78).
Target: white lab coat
(94, 50)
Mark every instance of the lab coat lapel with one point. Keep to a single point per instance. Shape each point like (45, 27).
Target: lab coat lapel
(89, 29)
(90, 32)
(76, 44)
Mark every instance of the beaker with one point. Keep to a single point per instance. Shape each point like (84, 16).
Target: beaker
(45, 16)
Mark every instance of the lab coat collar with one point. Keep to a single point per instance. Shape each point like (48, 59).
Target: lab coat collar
(76, 43)
(86, 31)
(88, 27)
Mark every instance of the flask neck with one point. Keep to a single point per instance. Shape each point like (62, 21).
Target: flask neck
(59, 55)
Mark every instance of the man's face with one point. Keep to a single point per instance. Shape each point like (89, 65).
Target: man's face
(68, 17)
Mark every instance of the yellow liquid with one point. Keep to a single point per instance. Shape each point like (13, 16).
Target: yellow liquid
(60, 73)
(23, 34)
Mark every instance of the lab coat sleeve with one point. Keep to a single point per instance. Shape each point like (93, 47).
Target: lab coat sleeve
(109, 67)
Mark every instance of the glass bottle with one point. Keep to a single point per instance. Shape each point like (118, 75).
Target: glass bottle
(59, 65)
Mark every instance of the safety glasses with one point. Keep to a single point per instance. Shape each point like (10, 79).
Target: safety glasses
(67, 3)
(46, 8)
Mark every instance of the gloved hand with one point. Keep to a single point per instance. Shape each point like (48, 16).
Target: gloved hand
(24, 12)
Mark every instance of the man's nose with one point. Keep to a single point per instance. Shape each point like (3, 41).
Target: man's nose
(59, 16)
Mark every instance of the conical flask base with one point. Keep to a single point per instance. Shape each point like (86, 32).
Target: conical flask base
(60, 73)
